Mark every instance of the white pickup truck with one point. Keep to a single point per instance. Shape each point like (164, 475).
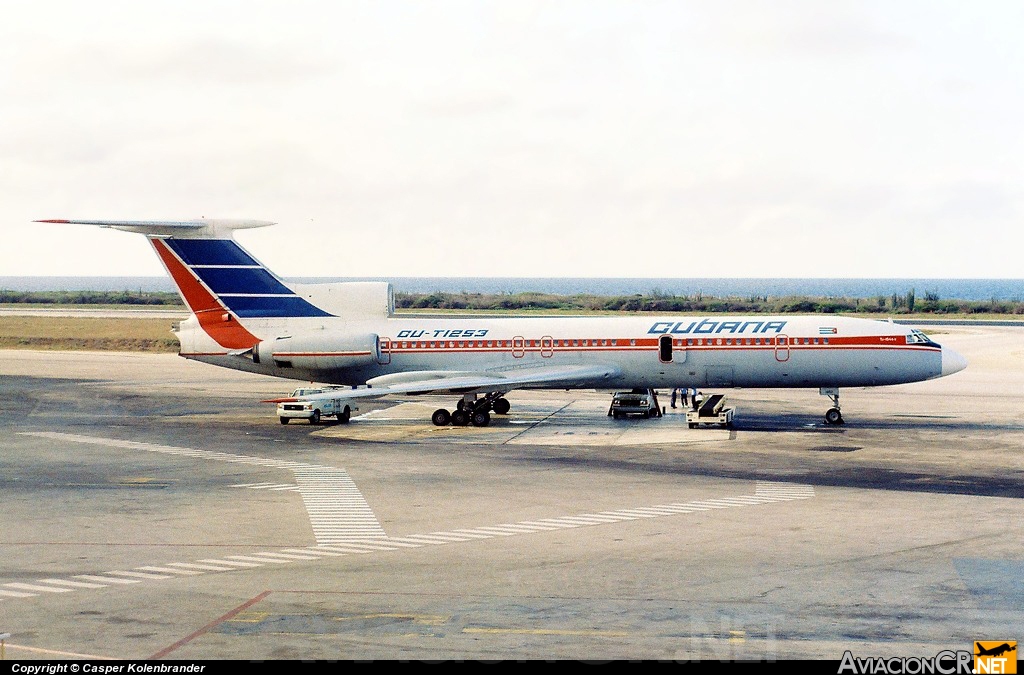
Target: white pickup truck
(314, 411)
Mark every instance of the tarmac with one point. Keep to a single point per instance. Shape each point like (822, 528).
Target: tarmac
(154, 508)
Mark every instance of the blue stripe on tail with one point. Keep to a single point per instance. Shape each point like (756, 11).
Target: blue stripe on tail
(239, 281)
(242, 280)
(211, 252)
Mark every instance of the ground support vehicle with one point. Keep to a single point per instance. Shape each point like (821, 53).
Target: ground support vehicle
(643, 402)
(711, 410)
(314, 411)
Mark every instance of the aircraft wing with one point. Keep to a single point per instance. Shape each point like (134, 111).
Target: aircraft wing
(466, 382)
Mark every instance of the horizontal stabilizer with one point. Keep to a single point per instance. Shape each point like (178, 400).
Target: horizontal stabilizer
(202, 227)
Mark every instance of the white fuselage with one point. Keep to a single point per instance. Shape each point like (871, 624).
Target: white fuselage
(648, 351)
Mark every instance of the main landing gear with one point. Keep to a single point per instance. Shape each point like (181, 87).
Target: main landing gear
(473, 410)
(833, 414)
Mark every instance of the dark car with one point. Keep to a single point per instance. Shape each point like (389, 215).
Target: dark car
(643, 402)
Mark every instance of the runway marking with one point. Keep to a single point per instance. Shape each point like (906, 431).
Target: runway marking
(360, 547)
(336, 508)
(501, 530)
(436, 538)
(253, 560)
(74, 655)
(288, 557)
(324, 488)
(73, 584)
(42, 589)
(169, 570)
(107, 580)
(277, 487)
(544, 631)
(236, 563)
(347, 548)
(560, 523)
(208, 568)
(210, 626)
(138, 575)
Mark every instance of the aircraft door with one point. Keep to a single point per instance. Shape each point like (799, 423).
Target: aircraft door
(547, 346)
(518, 347)
(679, 350)
(782, 348)
(383, 351)
(665, 349)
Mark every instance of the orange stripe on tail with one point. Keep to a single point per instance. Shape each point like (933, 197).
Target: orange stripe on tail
(213, 317)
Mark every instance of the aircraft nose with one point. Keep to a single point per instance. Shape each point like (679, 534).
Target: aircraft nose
(952, 362)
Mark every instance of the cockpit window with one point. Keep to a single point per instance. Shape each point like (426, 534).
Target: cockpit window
(917, 337)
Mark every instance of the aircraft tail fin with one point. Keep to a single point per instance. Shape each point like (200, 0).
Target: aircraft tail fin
(220, 282)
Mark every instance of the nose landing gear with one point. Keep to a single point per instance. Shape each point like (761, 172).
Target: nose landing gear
(833, 415)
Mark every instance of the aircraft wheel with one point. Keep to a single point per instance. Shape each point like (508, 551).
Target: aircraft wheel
(284, 420)
(460, 418)
(345, 415)
(502, 406)
(481, 418)
(441, 417)
(833, 416)
(315, 419)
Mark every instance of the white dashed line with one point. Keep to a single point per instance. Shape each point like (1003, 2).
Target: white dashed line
(41, 589)
(138, 575)
(288, 556)
(169, 570)
(256, 560)
(236, 563)
(73, 584)
(344, 523)
(197, 566)
(107, 580)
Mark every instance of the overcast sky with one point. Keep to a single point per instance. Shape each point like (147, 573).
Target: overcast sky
(521, 138)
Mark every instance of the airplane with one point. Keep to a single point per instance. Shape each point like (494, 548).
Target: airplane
(245, 317)
(998, 650)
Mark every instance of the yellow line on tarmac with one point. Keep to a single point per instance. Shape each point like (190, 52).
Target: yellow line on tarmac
(426, 619)
(545, 631)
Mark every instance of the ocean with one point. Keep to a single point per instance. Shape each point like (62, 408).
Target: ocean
(946, 289)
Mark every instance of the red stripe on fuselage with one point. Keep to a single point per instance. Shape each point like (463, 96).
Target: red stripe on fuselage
(211, 314)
